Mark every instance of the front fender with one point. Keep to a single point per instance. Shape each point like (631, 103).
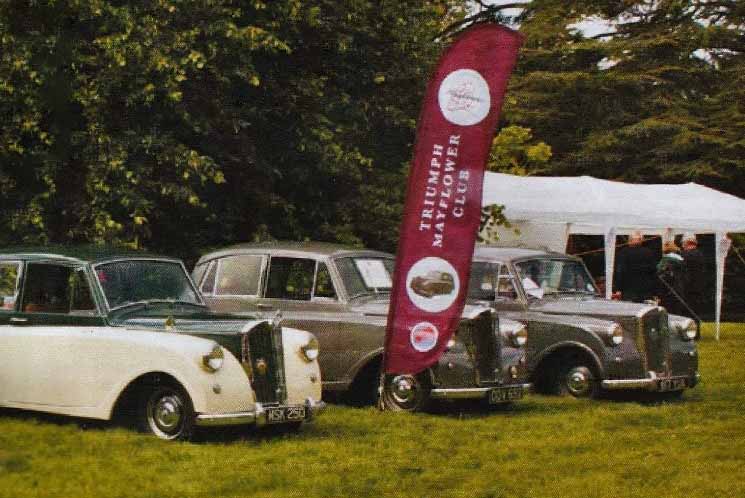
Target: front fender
(134, 353)
(536, 359)
(303, 378)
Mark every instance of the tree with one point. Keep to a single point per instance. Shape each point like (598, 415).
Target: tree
(177, 125)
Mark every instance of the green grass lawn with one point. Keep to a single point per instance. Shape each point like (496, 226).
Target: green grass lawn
(541, 447)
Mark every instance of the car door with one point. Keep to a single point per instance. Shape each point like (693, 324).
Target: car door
(10, 361)
(51, 353)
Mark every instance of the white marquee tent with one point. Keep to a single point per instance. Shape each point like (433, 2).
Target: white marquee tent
(548, 209)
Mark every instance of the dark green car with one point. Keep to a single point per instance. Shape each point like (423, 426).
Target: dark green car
(580, 343)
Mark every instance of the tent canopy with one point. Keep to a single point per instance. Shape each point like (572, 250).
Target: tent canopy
(592, 205)
(546, 210)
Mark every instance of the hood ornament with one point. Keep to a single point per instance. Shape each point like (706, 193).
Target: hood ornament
(277, 319)
(261, 366)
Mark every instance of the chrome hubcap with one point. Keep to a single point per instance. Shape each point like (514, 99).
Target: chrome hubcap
(166, 414)
(404, 389)
(578, 381)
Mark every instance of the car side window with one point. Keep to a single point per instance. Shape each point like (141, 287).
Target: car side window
(290, 278)
(506, 286)
(238, 275)
(9, 273)
(53, 288)
(324, 286)
(208, 285)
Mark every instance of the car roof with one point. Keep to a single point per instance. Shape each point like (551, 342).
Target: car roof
(76, 254)
(299, 249)
(512, 253)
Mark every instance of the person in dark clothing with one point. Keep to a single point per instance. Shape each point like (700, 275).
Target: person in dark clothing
(636, 271)
(696, 277)
(671, 279)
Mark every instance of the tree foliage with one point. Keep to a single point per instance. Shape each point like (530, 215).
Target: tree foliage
(181, 124)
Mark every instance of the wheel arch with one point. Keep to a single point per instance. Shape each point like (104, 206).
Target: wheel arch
(127, 397)
(556, 352)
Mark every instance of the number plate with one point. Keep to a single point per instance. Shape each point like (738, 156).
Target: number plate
(502, 394)
(285, 414)
(674, 384)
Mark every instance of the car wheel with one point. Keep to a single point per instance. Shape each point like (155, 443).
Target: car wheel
(405, 393)
(166, 411)
(579, 381)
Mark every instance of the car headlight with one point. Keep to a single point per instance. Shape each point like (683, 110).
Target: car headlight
(611, 333)
(309, 352)
(688, 329)
(212, 361)
(615, 333)
(517, 334)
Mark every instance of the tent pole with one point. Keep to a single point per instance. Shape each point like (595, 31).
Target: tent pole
(610, 260)
(723, 244)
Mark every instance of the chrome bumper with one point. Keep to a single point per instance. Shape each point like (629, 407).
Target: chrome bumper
(257, 416)
(472, 392)
(650, 383)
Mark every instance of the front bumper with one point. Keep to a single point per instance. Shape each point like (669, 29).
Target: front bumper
(654, 383)
(259, 416)
(516, 391)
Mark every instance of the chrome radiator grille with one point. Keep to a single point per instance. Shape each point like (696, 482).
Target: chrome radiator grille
(482, 340)
(262, 356)
(656, 333)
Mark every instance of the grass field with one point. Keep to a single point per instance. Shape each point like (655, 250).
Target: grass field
(541, 447)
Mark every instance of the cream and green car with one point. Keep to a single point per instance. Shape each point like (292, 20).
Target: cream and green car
(93, 333)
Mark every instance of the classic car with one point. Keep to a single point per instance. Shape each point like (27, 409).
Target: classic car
(581, 344)
(341, 295)
(92, 332)
(433, 283)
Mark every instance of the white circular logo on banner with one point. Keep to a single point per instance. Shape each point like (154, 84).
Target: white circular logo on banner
(464, 97)
(432, 284)
(423, 337)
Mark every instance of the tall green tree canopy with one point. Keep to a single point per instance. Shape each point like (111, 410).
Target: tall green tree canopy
(180, 124)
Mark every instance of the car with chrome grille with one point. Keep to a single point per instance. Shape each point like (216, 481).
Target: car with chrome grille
(97, 332)
(581, 344)
(341, 295)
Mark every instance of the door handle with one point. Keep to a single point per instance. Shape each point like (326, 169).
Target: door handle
(263, 306)
(15, 319)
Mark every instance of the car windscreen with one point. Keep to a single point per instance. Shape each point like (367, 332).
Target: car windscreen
(483, 282)
(555, 276)
(133, 281)
(365, 274)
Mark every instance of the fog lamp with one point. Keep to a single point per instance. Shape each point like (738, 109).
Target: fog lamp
(309, 352)
(212, 361)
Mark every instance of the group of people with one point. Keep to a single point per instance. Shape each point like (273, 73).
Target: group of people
(676, 281)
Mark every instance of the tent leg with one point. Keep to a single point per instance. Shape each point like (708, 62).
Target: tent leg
(610, 260)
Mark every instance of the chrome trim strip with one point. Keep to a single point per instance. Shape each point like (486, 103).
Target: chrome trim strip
(471, 392)
(256, 416)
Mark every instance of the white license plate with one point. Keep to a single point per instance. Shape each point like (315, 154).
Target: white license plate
(285, 414)
(675, 384)
(502, 394)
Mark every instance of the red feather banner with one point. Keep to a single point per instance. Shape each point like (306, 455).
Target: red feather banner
(443, 198)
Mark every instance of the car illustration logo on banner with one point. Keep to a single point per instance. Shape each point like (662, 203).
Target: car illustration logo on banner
(432, 284)
(423, 337)
(464, 97)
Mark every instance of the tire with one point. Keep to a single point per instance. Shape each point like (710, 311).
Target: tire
(405, 393)
(166, 412)
(577, 379)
